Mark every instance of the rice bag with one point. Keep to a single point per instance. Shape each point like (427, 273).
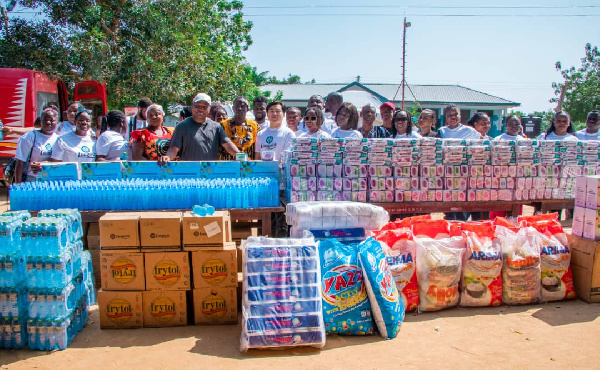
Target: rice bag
(555, 258)
(439, 265)
(346, 307)
(520, 265)
(481, 283)
(400, 253)
(386, 306)
(435, 229)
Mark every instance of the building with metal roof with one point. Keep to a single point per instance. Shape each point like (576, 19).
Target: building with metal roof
(434, 97)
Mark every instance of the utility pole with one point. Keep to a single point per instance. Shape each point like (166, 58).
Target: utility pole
(405, 26)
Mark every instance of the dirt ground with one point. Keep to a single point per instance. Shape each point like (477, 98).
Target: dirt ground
(555, 335)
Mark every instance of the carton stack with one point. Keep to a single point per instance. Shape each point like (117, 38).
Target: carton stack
(585, 248)
(214, 267)
(355, 170)
(380, 177)
(329, 169)
(301, 173)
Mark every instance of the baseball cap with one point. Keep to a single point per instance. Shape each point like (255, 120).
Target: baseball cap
(388, 104)
(202, 97)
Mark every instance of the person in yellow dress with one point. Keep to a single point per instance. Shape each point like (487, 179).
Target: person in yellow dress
(240, 130)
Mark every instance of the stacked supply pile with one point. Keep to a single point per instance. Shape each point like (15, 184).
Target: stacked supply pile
(585, 238)
(355, 170)
(345, 221)
(281, 304)
(329, 169)
(381, 171)
(301, 170)
(480, 171)
(47, 280)
(214, 267)
(407, 154)
(528, 159)
(136, 194)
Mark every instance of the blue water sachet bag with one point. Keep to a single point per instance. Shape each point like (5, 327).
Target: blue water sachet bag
(346, 308)
(386, 306)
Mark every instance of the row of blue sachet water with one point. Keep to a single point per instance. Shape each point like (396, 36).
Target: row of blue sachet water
(141, 194)
(46, 279)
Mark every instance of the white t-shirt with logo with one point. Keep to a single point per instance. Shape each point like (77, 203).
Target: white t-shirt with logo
(274, 140)
(64, 128)
(345, 134)
(112, 145)
(40, 153)
(584, 135)
(74, 148)
(553, 136)
(459, 132)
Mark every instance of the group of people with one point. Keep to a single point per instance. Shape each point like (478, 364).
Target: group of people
(206, 133)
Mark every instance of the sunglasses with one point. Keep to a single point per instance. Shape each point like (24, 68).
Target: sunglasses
(403, 119)
(310, 118)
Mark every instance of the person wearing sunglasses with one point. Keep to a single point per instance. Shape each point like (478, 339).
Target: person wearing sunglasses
(272, 141)
(426, 122)
(346, 119)
(78, 145)
(313, 119)
(402, 126)
(453, 129)
(481, 123)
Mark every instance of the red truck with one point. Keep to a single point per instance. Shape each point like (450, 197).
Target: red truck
(24, 93)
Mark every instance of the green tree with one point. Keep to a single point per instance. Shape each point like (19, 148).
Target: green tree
(581, 85)
(167, 50)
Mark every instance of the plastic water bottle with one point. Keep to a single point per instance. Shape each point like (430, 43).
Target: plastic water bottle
(199, 210)
(61, 334)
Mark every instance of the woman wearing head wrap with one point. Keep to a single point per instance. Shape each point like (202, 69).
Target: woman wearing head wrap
(152, 142)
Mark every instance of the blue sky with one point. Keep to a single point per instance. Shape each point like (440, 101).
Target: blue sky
(495, 52)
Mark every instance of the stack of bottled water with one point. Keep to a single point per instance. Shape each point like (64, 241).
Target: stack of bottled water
(46, 280)
(140, 194)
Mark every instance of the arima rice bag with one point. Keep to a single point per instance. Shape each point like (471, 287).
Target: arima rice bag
(400, 253)
(482, 267)
(346, 308)
(386, 305)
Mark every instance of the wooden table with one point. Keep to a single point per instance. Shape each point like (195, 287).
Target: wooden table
(242, 214)
(511, 207)
(549, 205)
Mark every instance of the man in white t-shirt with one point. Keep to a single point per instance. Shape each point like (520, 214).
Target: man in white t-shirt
(453, 129)
(259, 109)
(590, 132)
(275, 139)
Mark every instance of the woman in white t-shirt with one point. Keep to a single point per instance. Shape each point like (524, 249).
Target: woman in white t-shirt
(111, 144)
(69, 125)
(313, 119)
(513, 127)
(402, 127)
(346, 119)
(560, 128)
(481, 123)
(36, 146)
(76, 146)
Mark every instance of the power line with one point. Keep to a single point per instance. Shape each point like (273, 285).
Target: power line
(418, 7)
(421, 15)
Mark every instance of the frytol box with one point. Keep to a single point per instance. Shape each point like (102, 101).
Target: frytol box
(119, 230)
(215, 306)
(160, 229)
(215, 269)
(167, 271)
(164, 308)
(215, 229)
(122, 270)
(120, 310)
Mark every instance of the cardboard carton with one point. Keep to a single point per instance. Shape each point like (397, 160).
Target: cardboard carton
(119, 230)
(167, 271)
(210, 247)
(120, 310)
(578, 221)
(591, 224)
(122, 270)
(164, 308)
(215, 306)
(215, 229)
(160, 229)
(216, 269)
(580, 191)
(585, 263)
(591, 198)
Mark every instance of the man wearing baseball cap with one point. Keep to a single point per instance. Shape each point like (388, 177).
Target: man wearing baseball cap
(198, 138)
(387, 112)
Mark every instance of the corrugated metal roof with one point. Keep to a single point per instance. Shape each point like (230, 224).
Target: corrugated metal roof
(423, 93)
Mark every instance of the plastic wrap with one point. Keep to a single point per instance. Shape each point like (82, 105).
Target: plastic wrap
(481, 283)
(439, 266)
(334, 215)
(520, 265)
(346, 308)
(386, 306)
(281, 299)
(400, 253)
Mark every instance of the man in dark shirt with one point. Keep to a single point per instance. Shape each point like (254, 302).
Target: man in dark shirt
(197, 138)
